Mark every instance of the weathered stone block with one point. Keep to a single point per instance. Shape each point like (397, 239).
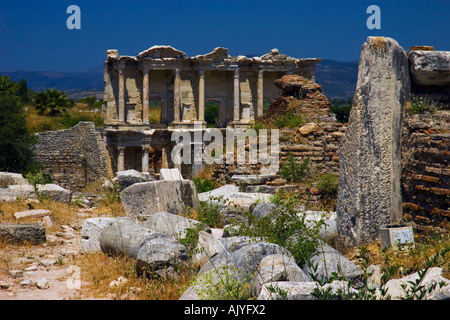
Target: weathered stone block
(172, 225)
(158, 253)
(170, 174)
(218, 193)
(369, 194)
(396, 236)
(125, 236)
(329, 260)
(22, 233)
(129, 177)
(10, 178)
(146, 198)
(91, 231)
(38, 213)
(430, 67)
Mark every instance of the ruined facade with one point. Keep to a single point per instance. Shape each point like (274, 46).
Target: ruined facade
(160, 90)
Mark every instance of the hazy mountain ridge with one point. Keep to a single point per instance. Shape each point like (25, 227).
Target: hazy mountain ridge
(337, 78)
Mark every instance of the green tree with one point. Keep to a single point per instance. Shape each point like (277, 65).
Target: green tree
(212, 114)
(52, 102)
(23, 91)
(16, 154)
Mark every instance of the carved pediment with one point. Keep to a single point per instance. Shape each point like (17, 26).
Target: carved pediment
(161, 52)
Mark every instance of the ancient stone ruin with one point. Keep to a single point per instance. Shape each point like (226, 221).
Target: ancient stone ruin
(388, 161)
(370, 174)
(160, 90)
(370, 153)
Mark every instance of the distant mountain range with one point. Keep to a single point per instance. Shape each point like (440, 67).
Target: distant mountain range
(337, 78)
(77, 84)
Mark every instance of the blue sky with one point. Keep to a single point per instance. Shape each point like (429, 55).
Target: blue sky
(34, 35)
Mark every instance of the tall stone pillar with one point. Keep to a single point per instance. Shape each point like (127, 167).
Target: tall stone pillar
(145, 152)
(369, 195)
(237, 96)
(145, 94)
(201, 96)
(260, 103)
(121, 159)
(176, 96)
(122, 108)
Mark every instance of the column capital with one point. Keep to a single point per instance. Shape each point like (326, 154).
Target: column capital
(145, 68)
(236, 73)
(121, 67)
(121, 148)
(260, 73)
(201, 72)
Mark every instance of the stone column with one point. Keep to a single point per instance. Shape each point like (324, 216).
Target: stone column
(145, 152)
(145, 93)
(201, 96)
(121, 93)
(237, 96)
(260, 103)
(369, 195)
(176, 96)
(121, 159)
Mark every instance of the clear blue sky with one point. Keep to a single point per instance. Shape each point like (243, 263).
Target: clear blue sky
(34, 36)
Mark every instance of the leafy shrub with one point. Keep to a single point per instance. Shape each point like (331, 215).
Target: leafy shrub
(294, 171)
(190, 240)
(342, 112)
(289, 120)
(328, 184)
(286, 227)
(204, 185)
(421, 105)
(258, 125)
(212, 114)
(225, 283)
(209, 214)
(35, 178)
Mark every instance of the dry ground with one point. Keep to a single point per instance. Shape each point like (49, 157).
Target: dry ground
(94, 271)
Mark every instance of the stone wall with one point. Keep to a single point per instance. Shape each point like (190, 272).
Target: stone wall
(75, 156)
(318, 141)
(425, 166)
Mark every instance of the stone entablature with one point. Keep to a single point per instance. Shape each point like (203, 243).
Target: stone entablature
(182, 85)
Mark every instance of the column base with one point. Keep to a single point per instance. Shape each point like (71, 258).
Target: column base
(186, 125)
(240, 124)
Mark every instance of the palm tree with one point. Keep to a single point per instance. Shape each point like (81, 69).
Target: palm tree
(52, 102)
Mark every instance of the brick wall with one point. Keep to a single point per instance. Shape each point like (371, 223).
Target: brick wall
(425, 166)
(321, 145)
(75, 156)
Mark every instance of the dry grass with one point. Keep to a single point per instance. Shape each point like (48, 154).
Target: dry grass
(99, 270)
(40, 123)
(404, 261)
(62, 213)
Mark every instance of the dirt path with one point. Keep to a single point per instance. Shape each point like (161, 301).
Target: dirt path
(53, 261)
